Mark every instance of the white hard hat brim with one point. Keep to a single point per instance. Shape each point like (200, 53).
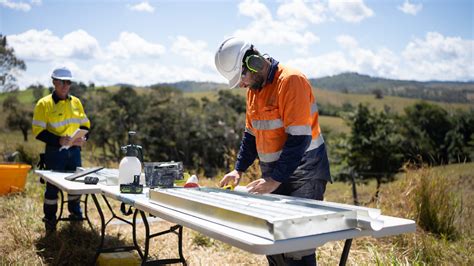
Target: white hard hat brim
(235, 81)
(61, 78)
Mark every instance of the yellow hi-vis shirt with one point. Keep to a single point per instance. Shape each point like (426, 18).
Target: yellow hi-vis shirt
(61, 118)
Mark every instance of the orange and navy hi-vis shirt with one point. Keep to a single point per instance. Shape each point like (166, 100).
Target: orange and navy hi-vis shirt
(283, 119)
(54, 118)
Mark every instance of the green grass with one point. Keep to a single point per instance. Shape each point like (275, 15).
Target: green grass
(397, 104)
(336, 125)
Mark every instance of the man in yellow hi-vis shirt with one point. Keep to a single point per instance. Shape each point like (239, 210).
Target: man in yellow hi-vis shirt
(55, 119)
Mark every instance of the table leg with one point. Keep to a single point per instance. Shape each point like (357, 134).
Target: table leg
(103, 226)
(134, 234)
(345, 252)
(86, 213)
(148, 236)
(61, 207)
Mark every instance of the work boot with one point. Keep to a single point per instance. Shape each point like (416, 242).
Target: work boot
(75, 217)
(49, 225)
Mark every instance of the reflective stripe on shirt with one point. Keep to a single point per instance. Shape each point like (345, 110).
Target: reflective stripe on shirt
(274, 156)
(39, 123)
(69, 121)
(267, 124)
(298, 130)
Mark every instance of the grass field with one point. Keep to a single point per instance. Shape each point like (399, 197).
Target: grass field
(338, 99)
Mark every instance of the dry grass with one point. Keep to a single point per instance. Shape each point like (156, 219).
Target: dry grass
(24, 241)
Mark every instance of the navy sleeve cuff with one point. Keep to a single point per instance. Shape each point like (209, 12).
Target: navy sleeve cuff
(88, 131)
(290, 158)
(48, 138)
(247, 153)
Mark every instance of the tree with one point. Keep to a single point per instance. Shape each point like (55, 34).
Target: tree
(425, 129)
(38, 91)
(373, 147)
(232, 100)
(377, 93)
(17, 116)
(9, 65)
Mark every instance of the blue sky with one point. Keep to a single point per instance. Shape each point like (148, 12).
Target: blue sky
(147, 42)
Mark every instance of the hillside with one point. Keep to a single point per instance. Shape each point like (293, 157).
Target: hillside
(440, 91)
(193, 86)
(443, 91)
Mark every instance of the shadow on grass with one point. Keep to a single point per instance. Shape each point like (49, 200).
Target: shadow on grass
(73, 244)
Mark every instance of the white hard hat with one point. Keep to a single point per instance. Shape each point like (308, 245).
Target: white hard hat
(62, 73)
(229, 57)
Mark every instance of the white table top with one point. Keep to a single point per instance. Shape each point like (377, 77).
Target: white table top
(249, 242)
(237, 238)
(71, 187)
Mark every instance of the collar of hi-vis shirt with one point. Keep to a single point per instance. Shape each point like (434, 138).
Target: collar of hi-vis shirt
(273, 70)
(56, 98)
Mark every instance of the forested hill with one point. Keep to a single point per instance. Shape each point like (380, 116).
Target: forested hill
(445, 91)
(193, 86)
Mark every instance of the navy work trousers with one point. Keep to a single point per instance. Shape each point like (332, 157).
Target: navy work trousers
(64, 160)
(313, 189)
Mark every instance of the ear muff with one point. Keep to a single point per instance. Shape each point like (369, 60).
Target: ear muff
(255, 63)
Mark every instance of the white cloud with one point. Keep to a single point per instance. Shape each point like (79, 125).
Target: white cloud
(196, 52)
(264, 29)
(16, 5)
(299, 11)
(255, 10)
(411, 9)
(19, 5)
(434, 57)
(350, 58)
(45, 46)
(350, 10)
(439, 57)
(347, 41)
(146, 74)
(130, 45)
(324, 65)
(142, 7)
(291, 26)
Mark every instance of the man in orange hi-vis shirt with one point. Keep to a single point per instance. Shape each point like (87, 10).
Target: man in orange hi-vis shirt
(281, 129)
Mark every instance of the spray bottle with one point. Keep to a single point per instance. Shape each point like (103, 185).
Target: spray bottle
(130, 166)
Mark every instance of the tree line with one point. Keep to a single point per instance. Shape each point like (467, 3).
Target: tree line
(202, 133)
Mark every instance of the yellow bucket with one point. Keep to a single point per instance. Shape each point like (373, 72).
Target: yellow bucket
(13, 177)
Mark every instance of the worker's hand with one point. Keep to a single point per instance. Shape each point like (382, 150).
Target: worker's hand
(231, 178)
(65, 141)
(79, 142)
(262, 186)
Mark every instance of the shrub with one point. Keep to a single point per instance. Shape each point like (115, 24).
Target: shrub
(437, 206)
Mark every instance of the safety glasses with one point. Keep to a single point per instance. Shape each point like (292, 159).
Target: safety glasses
(63, 82)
